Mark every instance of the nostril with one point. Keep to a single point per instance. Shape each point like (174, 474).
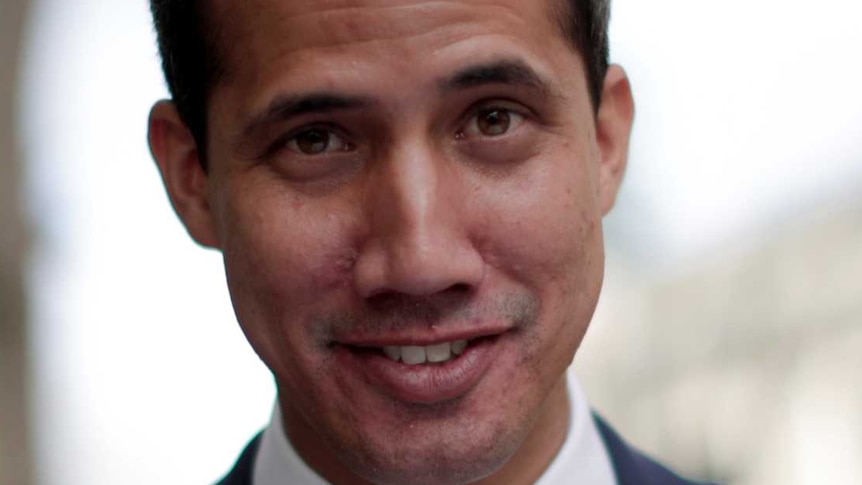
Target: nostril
(384, 299)
(417, 265)
(461, 288)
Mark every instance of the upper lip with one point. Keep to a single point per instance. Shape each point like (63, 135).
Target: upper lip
(419, 338)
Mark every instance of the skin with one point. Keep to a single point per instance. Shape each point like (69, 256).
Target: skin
(424, 215)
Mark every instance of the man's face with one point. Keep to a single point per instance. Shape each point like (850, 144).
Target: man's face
(399, 177)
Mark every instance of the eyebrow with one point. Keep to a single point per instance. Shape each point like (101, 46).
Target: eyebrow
(506, 72)
(290, 106)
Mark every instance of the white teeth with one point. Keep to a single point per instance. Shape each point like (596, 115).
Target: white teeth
(439, 353)
(393, 353)
(459, 347)
(414, 355)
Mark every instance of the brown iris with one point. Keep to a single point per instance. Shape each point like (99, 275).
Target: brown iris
(494, 122)
(312, 142)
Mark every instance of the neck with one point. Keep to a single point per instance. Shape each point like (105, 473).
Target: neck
(542, 444)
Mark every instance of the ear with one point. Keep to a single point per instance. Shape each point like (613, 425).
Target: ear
(613, 129)
(174, 149)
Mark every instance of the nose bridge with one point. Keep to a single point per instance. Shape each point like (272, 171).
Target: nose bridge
(417, 241)
(413, 179)
(410, 212)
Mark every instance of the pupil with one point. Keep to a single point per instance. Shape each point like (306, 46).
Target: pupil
(494, 122)
(312, 142)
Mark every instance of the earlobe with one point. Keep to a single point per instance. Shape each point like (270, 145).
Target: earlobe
(613, 130)
(175, 151)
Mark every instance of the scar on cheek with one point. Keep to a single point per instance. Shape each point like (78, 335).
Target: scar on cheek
(337, 272)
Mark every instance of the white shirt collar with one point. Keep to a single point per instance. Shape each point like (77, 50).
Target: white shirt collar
(583, 459)
(277, 462)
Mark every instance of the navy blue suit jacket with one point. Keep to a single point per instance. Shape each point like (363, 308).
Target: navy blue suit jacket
(631, 466)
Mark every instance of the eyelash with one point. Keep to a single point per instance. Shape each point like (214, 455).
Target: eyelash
(517, 116)
(285, 140)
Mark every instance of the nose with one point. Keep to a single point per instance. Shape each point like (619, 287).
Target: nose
(418, 240)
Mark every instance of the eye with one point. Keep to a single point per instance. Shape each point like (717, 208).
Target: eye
(492, 122)
(316, 141)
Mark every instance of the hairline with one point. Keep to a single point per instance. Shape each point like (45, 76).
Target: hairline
(571, 25)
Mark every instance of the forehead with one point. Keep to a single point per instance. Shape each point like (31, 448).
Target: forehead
(316, 21)
(389, 48)
(257, 32)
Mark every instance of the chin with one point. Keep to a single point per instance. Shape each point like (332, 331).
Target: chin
(453, 444)
(442, 463)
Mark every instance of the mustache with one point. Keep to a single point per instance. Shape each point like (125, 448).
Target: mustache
(392, 312)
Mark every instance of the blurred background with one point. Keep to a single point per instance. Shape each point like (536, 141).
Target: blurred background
(728, 340)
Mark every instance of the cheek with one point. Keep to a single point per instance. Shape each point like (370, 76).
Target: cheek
(279, 258)
(546, 234)
(543, 227)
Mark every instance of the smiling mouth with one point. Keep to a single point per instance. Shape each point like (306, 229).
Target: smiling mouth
(435, 372)
(432, 354)
(415, 355)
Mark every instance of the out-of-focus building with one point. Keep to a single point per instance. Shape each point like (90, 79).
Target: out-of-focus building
(14, 442)
(748, 366)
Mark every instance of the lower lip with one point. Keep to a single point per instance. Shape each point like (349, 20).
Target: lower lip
(423, 383)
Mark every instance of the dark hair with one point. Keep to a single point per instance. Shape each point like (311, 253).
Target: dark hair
(585, 24)
(192, 62)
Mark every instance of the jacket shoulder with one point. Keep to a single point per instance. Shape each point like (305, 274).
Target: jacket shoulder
(241, 473)
(633, 467)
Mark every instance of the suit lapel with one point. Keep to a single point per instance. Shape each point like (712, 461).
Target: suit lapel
(242, 471)
(631, 466)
